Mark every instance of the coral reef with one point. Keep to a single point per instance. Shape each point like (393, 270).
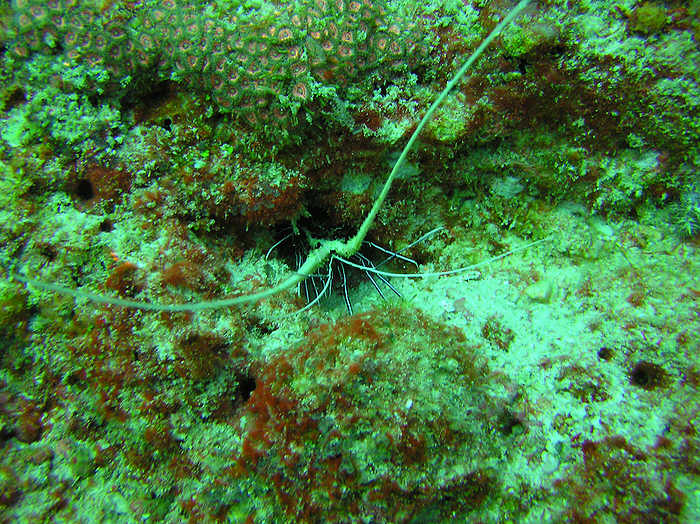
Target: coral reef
(172, 151)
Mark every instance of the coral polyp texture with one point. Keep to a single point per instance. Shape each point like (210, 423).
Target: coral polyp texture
(171, 152)
(261, 64)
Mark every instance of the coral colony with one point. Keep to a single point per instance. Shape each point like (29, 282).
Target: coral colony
(246, 64)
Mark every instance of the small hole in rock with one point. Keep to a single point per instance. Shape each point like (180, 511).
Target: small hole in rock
(84, 189)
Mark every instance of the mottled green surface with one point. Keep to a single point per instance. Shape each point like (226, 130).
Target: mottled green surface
(557, 384)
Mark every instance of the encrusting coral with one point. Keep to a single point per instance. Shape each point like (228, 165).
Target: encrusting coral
(260, 65)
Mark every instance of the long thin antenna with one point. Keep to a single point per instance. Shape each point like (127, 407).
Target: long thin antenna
(353, 245)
